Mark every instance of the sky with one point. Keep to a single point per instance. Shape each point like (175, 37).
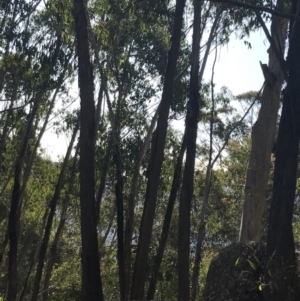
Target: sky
(237, 68)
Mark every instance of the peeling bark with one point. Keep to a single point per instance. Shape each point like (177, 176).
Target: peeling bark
(263, 137)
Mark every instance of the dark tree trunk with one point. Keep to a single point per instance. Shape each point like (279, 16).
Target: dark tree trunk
(59, 231)
(91, 280)
(167, 222)
(14, 214)
(156, 159)
(103, 179)
(131, 203)
(52, 205)
(280, 272)
(52, 252)
(187, 188)
(120, 217)
(35, 256)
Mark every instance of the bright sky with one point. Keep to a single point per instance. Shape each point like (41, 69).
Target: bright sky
(237, 68)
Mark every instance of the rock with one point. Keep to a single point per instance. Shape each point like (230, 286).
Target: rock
(236, 274)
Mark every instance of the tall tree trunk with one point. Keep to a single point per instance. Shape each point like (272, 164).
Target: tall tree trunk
(14, 216)
(32, 155)
(263, 137)
(280, 272)
(52, 252)
(91, 279)
(156, 159)
(103, 178)
(120, 214)
(52, 205)
(131, 202)
(187, 188)
(36, 255)
(167, 222)
(114, 119)
(53, 249)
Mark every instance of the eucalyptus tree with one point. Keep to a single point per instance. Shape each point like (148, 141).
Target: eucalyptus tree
(91, 279)
(264, 130)
(128, 58)
(41, 64)
(281, 272)
(187, 188)
(155, 160)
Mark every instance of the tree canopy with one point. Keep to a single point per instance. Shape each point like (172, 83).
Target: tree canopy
(164, 167)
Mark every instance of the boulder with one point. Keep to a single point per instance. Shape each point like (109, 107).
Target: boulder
(236, 274)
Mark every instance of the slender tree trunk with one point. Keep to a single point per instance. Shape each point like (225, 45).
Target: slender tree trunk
(167, 222)
(32, 155)
(210, 39)
(53, 249)
(120, 216)
(52, 252)
(263, 137)
(156, 159)
(114, 119)
(131, 202)
(36, 255)
(14, 216)
(187, 188)
(91, 279)
(52, 206)
(280, 272)
(201, 227)
(103, 179)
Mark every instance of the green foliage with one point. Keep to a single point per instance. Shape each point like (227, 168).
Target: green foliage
(38, 62)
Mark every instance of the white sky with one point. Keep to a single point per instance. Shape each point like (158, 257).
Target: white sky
(237, 68)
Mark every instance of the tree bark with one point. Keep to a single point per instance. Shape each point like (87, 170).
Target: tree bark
(120, 215)
(280, 272)
(59, 231)
(52, 205)
(52, 252)
(167, 221)
(187, 188)
(103, 179)
(131, 201)
(14, 214)
(91, 279)
(263, 138)
(156, 159)
(36, 255)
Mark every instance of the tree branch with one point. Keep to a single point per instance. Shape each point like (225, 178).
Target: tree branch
(258, 8)
(279, 56)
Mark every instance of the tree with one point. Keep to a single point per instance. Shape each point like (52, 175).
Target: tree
(280, 271)
(263, 135)
(156, 159)
(91, 280)
(187, 188)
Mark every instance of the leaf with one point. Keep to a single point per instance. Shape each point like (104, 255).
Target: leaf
(252, 265)
(237, 261)
(260, 287)
(256, 259)
(240, 276)
(269, 272)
